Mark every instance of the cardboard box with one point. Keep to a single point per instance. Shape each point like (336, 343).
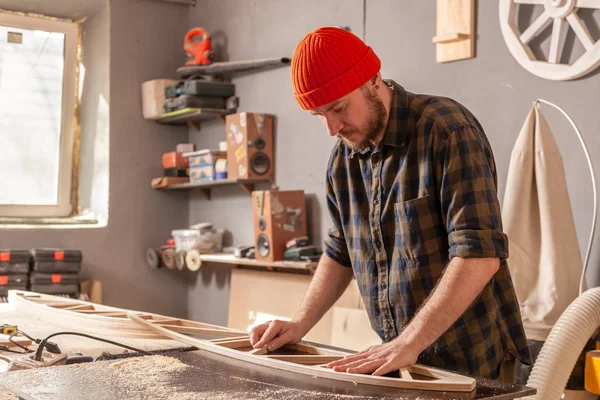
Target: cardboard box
(204, 173)
(153, 97)
(204, 157)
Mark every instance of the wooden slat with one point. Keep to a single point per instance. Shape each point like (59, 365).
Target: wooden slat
(230, 259)
(305, 360)
(200, 331)
(114, 314)
(259, 352)
(165, 321)
(404, 374)
(221, 340)
(235, 344)
(80, 307)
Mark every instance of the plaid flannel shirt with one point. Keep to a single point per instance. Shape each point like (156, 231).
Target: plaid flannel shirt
(401, 211)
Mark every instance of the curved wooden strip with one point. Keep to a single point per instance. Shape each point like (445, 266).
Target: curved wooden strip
(442, 380)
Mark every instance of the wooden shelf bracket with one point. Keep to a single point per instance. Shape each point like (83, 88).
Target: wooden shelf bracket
(455, 32)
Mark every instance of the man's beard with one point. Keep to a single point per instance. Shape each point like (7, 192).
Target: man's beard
(376, 117)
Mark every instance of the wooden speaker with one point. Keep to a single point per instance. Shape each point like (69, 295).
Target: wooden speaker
(279, 216)
(250, 146)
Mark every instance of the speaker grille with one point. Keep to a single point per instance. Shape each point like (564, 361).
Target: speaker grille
(263, 247)
(262, 224)
(260, 163)
(259, 143)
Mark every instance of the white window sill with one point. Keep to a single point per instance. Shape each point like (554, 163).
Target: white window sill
(87, 222)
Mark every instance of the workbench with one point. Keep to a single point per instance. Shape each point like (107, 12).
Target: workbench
(194, 375)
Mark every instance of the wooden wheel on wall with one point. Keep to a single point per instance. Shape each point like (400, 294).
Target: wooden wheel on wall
(562, 14)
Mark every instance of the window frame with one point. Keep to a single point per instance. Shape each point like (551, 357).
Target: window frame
(64, 206)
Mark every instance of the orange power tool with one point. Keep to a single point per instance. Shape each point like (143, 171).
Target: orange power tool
(198, 45)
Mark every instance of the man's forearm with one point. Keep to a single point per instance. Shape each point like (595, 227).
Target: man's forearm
(462, 282)
(327, 285)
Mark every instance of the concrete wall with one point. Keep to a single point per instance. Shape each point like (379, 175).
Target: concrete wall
(144, 38)
(253, 30)
(493, 85)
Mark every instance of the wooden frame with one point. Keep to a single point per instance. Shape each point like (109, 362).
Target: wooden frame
(94, 318)
(312, 364)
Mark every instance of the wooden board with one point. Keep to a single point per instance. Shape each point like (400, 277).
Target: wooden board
(230, 259)
(256, 296)
(455, 35)
(204, 375)
(412, 377)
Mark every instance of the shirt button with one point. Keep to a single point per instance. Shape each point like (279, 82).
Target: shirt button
(375, 201)
(377, 243)
(383, 286)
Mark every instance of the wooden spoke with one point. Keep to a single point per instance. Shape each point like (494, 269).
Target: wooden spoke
(537, 26)
(556, 43)
(581, 31)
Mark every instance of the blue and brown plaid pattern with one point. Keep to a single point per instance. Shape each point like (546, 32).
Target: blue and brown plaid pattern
(426, 193)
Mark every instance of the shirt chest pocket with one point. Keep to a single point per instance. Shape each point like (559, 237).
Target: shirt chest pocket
(418, 230)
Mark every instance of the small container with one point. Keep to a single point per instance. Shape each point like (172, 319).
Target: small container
(185, 147)
(203, 173)
(204, 157)
(202, 237)
(14, 261)
(56, 260)
(186, 239)
(54, 283)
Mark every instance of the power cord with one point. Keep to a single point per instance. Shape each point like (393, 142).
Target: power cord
(44, 343)
(4, 348)
(18, 332)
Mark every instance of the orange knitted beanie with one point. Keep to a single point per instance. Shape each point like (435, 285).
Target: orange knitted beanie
(329, 63)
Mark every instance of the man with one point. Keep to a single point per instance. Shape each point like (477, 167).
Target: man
(411, 189)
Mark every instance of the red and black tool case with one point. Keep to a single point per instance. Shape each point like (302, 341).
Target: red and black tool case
(12, 282)
(56, 260)
(14, 262)
(48, 283)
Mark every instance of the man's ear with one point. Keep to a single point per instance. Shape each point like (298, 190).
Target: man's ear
(374, 80)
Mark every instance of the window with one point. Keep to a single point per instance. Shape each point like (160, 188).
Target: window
(38, 59)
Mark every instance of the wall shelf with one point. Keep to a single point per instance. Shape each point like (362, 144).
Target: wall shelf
(271, 266)
(246, 184)
(194, 116)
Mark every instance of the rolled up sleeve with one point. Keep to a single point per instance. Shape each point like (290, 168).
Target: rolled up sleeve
(335, 242)
(468, 194)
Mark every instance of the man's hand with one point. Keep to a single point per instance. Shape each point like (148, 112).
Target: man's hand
(275, 334)
(379, 359)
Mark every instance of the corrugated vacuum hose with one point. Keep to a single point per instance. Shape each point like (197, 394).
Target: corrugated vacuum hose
(561, 350)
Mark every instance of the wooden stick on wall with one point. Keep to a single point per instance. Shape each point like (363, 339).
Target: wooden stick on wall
(455, 36)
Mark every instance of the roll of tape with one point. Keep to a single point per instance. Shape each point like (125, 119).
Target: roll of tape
(221, 165)
(592, 371)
